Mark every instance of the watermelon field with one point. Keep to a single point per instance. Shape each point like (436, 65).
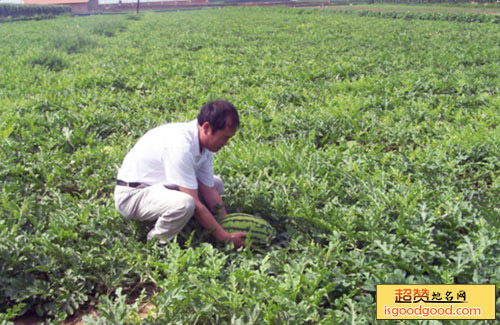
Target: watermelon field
(371, 145)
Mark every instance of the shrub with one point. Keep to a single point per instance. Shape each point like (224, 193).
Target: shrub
(12, 10)
(51, 60)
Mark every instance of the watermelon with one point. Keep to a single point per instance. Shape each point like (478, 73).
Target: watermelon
(258, 229)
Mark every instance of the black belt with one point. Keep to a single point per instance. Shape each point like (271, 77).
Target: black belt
(123, 183)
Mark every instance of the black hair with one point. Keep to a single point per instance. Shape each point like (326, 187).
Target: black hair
(216, 114)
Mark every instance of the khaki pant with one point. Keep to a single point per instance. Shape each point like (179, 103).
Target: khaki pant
(170, 208)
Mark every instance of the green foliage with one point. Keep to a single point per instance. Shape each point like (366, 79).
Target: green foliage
(371, 145)
(109, 28)
(445, 16)
(72, 42)
(14, 10)
(51, 60)
(134, 16)
(117, 310)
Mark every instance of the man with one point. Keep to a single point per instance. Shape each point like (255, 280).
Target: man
(168, 174)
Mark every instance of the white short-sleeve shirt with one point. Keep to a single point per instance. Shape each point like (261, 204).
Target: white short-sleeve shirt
(169, 155)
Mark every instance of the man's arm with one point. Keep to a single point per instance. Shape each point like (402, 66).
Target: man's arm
(212, 199)
(207, 220)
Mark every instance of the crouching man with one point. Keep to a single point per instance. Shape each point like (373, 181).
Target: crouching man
(168, 175)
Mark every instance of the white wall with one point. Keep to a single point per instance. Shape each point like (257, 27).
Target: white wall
(11, 1)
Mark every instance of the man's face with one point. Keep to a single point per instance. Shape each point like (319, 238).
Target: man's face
(215, 141)
(219, 139)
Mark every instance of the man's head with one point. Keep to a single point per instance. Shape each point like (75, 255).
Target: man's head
(218, 114)
(217, 123)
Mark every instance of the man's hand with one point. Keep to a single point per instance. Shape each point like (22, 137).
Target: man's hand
(207, 220)
(237, 238)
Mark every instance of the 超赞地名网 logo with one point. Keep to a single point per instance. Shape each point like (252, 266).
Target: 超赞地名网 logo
(436, 301)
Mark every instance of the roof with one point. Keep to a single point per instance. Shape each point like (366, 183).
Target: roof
(53, 2)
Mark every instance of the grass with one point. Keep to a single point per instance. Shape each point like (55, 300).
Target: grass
(490, 8)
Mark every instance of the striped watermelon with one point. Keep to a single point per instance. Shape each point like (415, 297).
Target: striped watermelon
(259, 230)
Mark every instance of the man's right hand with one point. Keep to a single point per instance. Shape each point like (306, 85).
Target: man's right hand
(207, 220)
(237, 238)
